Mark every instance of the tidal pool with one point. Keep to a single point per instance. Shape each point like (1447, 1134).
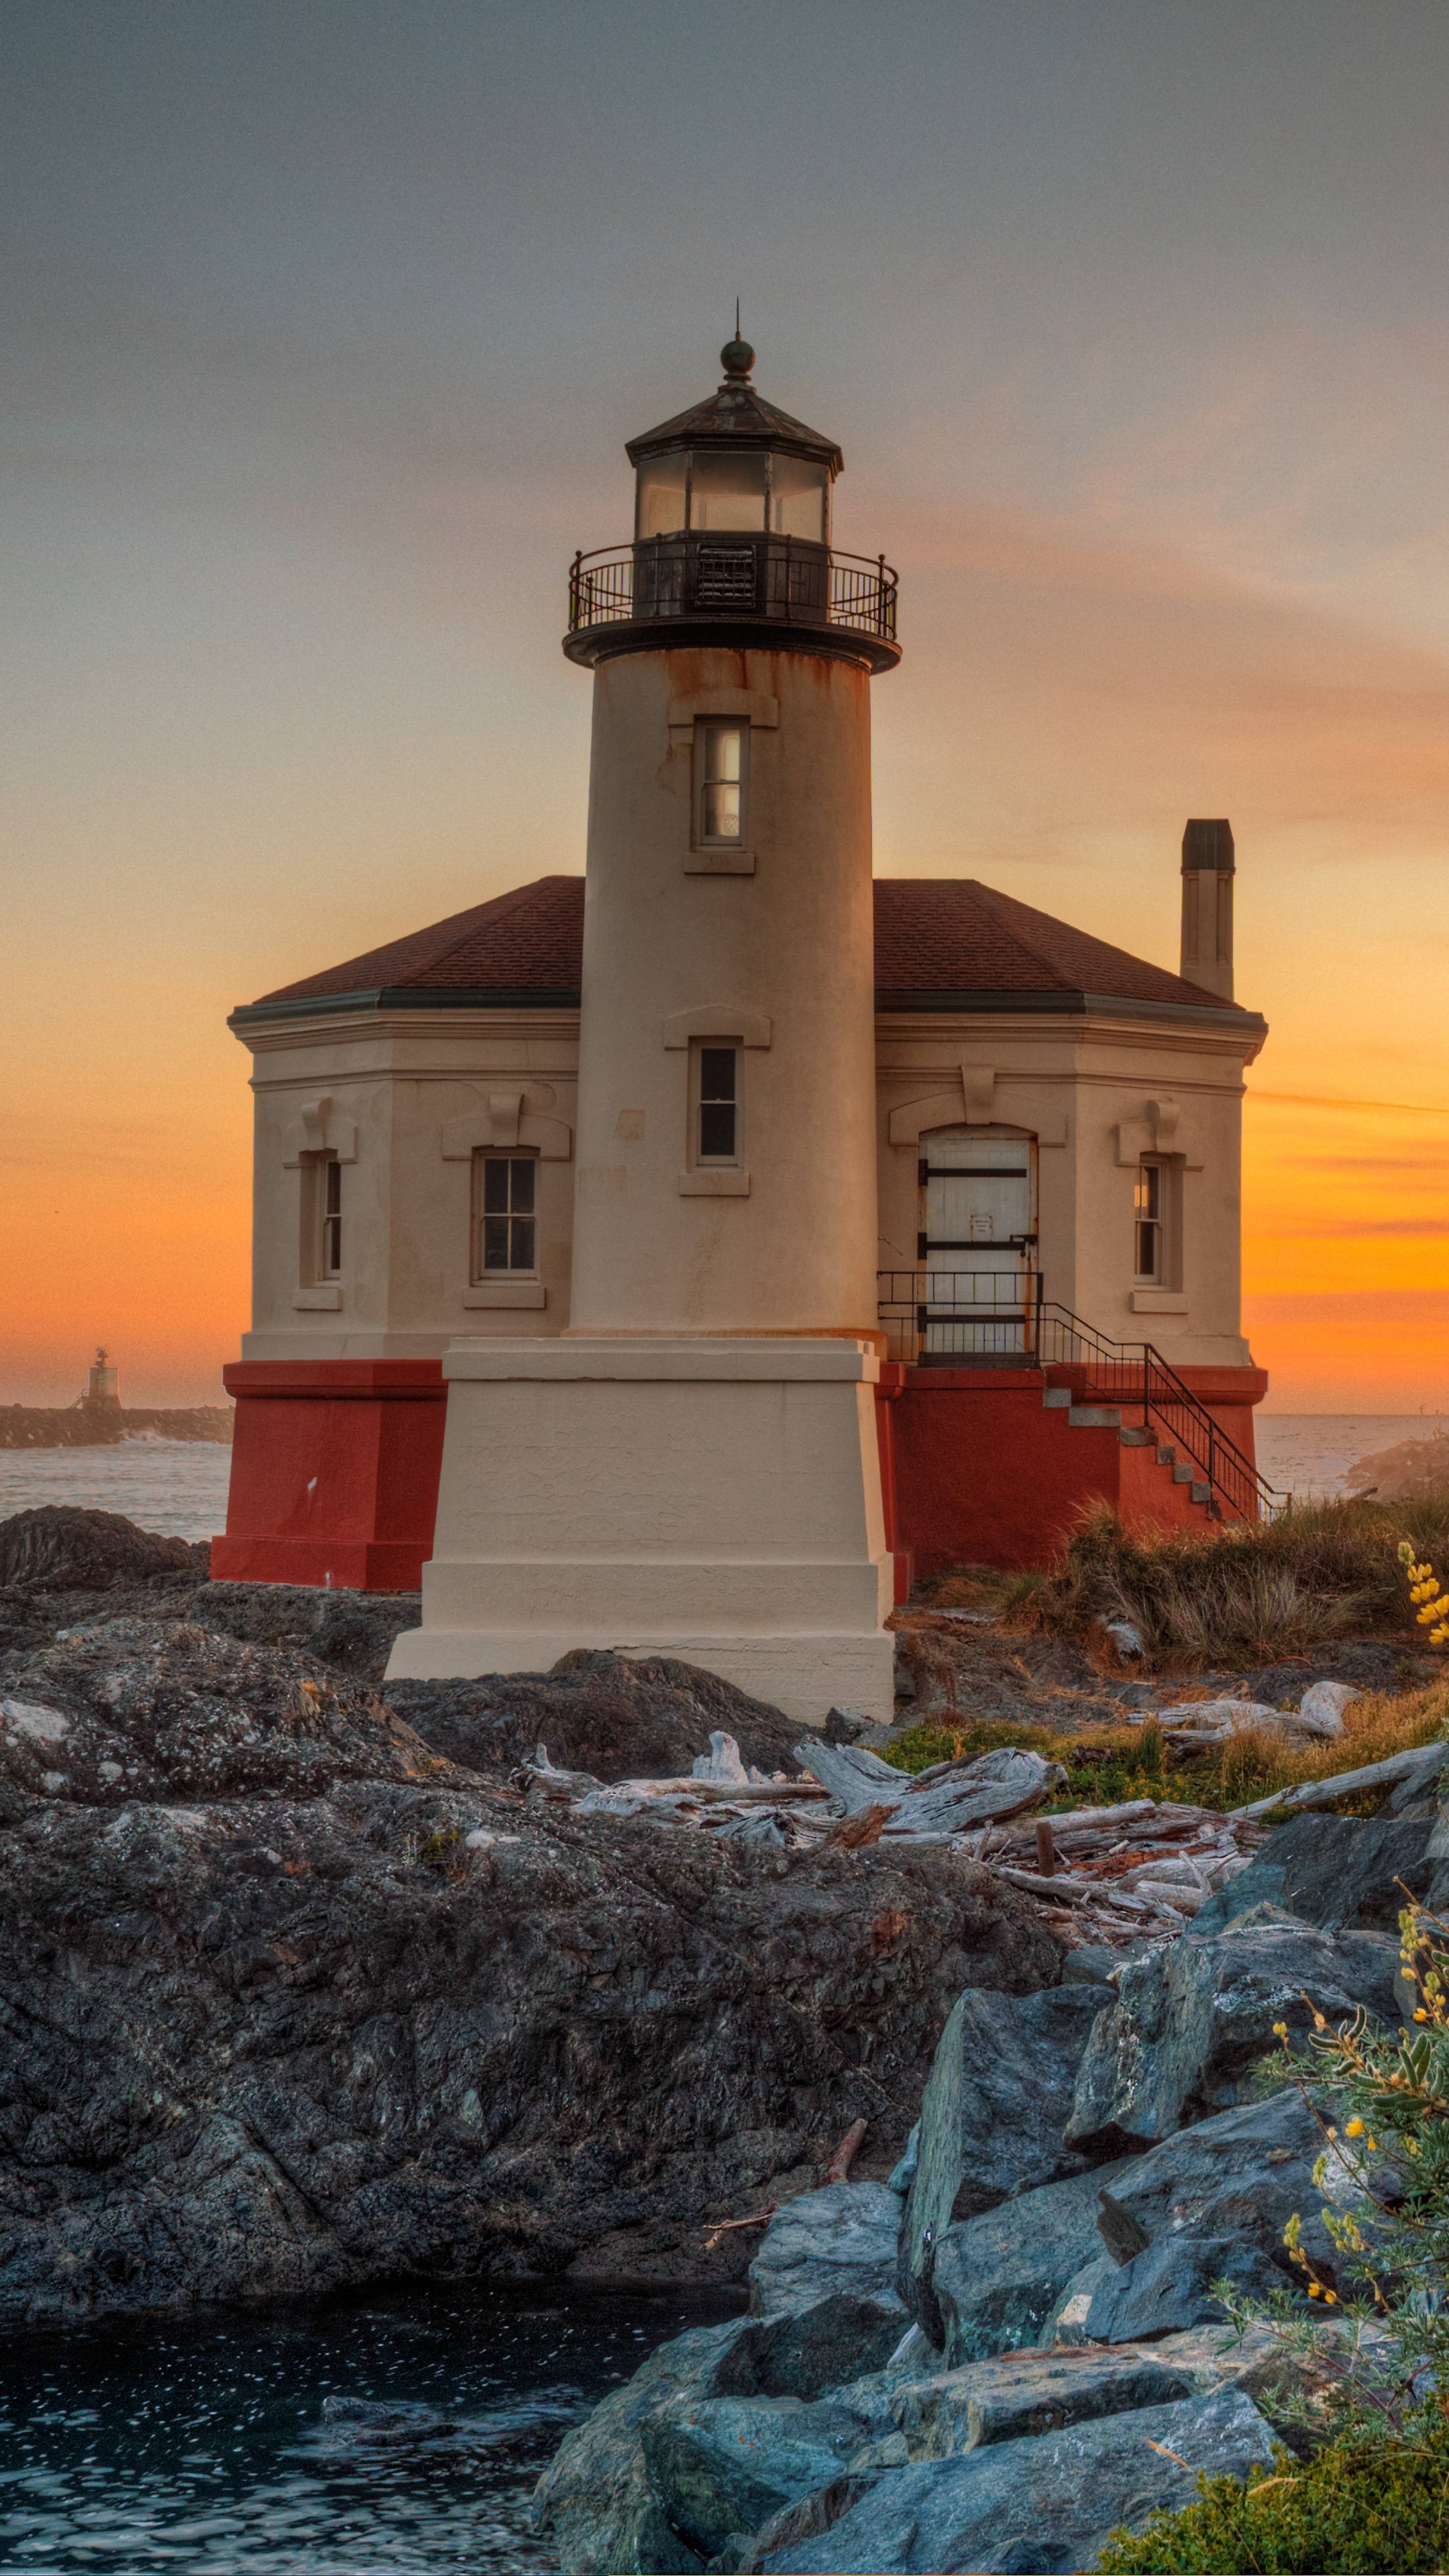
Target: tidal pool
(393, 2434)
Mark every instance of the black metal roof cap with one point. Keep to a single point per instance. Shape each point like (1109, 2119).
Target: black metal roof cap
(737, 416)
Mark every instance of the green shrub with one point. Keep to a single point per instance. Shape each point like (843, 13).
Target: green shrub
(1354, 2510)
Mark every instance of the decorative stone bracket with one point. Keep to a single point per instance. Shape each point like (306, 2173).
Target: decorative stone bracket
(976, 1101)
(1161, 1130)
(318, 1129)
(505, 1118)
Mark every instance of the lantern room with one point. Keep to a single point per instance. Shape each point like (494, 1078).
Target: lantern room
(734, 464)
(732, 528)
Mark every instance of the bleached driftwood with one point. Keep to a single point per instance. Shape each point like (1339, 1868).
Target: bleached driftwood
(948, 1799)
(1422, 1758)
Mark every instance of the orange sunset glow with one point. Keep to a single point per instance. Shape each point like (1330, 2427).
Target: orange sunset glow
(322, 353)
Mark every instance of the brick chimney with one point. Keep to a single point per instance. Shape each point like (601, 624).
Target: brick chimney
(1207, 907)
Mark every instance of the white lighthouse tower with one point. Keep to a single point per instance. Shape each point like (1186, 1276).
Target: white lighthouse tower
(691, 1469)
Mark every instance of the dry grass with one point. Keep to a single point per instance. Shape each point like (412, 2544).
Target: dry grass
(1107, 1763)
(1245, 1594)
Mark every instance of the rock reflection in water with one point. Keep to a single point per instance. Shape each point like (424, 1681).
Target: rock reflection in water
(393, 2435)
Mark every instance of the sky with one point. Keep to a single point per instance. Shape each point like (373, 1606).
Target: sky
(324, 323)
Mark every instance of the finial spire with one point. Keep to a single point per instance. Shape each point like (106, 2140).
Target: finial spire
(737, 357)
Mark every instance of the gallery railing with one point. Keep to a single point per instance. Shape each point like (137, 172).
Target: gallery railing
(966, 1319)
(784, 579)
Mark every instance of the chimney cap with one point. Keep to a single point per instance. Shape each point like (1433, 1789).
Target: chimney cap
(1209, 845)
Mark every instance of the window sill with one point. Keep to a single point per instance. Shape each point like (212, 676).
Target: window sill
(327, 1300)
(1158, 1301)
(506, 1292)
(714, 1185)
(720, 863)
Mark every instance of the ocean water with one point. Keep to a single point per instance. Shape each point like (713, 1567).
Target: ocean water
(179, 1486)
(201, 2447)
(1309, 1454)
(176, 1487)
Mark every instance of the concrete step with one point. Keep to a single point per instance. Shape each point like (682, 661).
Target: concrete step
(1094, 1417)
(1202, 1493)
(1135, 1437)
(1056, 1398)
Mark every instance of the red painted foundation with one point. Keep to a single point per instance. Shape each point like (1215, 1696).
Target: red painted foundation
(334, 1473)
(985, 1474)
(335, 1468)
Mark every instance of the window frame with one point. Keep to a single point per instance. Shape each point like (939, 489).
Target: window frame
(319, 1261)
(480, 1274)
(699, 1160)
(706, 730)
(1167, 1223)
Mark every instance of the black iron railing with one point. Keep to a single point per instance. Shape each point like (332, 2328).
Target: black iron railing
(963, 1319)
(721, 576)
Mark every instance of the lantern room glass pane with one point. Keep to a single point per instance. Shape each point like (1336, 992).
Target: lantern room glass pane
(661, 495)
(728, 491)
(798, 498)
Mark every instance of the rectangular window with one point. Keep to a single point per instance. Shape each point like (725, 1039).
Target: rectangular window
(720, 762)
(719, 1104)
(329, 1265)
(1149, 1212)
(505, 1226)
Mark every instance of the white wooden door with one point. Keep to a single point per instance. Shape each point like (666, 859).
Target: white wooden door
(976, 1252)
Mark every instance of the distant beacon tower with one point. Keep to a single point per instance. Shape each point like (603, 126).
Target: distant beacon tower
(103, 1385)
(1208, 868)
(692, 1467)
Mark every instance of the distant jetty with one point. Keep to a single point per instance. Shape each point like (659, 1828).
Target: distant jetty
(98, 1419)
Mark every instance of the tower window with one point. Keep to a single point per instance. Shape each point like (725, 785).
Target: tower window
(505, 1226)
(720, 767)
(719, 1104)
(1149, 1214)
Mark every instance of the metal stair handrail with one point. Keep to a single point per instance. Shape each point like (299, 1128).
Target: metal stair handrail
(1037, 1332)
(1230, 1474)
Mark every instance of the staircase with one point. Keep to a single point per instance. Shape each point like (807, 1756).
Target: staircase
(1135, 1435)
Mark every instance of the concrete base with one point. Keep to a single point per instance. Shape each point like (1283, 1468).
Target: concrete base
(713, 1498)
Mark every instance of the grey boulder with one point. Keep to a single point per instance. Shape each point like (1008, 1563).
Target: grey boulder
(995, 2280)
(727, 2465)
(1192, 2023)
(999, 2096)
(840, 2239)
(1337, 1871)
(1039, 2508)
(1000, 2280)
(1167, 2288)
(1023, 2394)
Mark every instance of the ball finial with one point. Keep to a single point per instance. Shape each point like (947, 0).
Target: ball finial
(737, 357)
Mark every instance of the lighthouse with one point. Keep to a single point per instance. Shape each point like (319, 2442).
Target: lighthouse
(692, 1468)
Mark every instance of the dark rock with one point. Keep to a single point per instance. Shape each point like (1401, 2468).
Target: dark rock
(1000, 2280)
(595, 2500)
(803, 2352)
(803, 2521)
(272, 2022)
(997, 2278)
(62, 1548)
(370, 2426)
(1169, 2287)
(1192, 2023)
(1340, 1872)
(1038, 2508)
(619, 1716)
(837, 2242)
(1024, 2394)
(1000, 2095)
(713, 2434)
(726, 2465)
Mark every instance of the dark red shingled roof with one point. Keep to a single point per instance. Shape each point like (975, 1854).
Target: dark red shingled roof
(944, 940)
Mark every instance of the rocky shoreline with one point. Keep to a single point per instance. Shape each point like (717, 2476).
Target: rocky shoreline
(87, 1426)
(1014, 2345)
(307, 1982)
